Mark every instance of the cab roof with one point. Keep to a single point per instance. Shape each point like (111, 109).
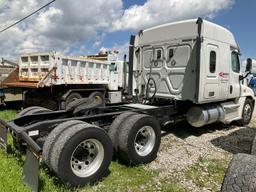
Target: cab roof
(187, 29)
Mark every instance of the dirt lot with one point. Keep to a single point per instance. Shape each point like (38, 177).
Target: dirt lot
(198, 158)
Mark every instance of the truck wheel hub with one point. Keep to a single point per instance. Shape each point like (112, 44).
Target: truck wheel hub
(247, 112)
(145, 140)
(87, 158)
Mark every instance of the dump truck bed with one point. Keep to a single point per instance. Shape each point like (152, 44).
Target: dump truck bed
(53, 68)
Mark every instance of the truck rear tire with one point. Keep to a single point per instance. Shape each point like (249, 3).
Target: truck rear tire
(32, 110)
(139, 139)
(247, 113)
(25, 112)
(115, 127)
(82, 154)
(241, 174)
(53, 136)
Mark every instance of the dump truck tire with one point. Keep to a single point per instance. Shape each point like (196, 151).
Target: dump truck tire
(139, 139)
(253, 147)
(99, 96)
(82, 154)
(32, 110)
(72, 97)
(88, 106)
(96, 94)
(50, 104)
(71, 106)
(115, 127)
(241, 174)
(84, 105)
(52, 137)
(247, 113)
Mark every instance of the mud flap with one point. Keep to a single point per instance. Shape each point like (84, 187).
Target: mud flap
(3, 136)
(31, 170)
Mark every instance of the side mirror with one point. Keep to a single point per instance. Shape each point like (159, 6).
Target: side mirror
(248, 67)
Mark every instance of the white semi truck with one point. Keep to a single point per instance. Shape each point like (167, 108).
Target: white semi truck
(171, 63)
(187, 71)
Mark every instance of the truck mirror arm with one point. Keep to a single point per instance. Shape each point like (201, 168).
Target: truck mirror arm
(241, 77)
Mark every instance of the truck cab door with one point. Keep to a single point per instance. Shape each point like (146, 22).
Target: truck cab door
(234, 84)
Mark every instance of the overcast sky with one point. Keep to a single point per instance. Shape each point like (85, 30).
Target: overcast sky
(83, 27)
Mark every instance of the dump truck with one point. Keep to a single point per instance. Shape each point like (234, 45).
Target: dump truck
(60, 79)
(182, 71)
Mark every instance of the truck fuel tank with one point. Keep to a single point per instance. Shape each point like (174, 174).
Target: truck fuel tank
(199, 116)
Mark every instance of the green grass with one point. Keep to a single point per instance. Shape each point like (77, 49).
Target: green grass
(10, 174)
(8, 114)
(120, 178)
(207, 173)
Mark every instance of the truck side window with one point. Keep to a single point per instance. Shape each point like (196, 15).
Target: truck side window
(235, 62)
(171, 53)
(159, 54)
(212, 61)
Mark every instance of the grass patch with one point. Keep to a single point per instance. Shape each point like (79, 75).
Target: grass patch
(121, 178)
(10, 174)
(8, 115)
(207, 173)
(134, 179)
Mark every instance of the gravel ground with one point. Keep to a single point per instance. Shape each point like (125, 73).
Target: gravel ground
(182, 146)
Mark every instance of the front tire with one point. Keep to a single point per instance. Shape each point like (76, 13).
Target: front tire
(247, 113)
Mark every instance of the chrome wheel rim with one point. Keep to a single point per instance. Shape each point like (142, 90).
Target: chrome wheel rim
(87, 158)
(145, 141)
(247, 112)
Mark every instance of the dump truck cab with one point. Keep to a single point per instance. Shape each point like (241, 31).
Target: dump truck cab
(193, 60)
